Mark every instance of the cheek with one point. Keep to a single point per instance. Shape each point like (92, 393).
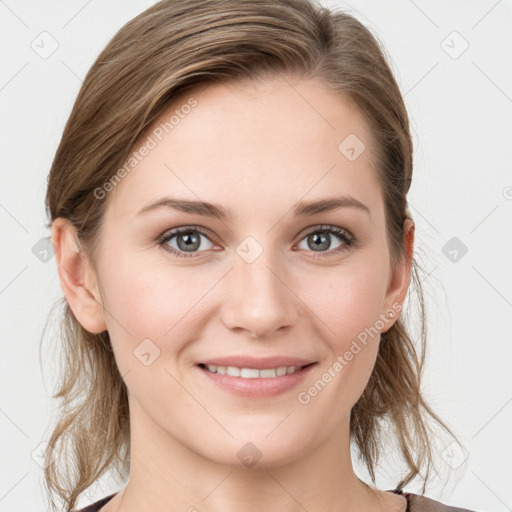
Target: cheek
(347, 303)
(148, 300)
(347, 300)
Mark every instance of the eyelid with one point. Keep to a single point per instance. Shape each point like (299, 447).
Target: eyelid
(187, 227)
(327, 227)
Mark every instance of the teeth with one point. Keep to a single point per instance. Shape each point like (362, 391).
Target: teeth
(253, 373)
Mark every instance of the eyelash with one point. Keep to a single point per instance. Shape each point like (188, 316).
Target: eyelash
(345, 236)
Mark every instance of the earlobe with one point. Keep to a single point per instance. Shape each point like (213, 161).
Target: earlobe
(408, 238)
(76, 277)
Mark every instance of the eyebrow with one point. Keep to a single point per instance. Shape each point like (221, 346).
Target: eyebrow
(302, 209)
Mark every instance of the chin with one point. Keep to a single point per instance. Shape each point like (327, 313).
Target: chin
(261, 451)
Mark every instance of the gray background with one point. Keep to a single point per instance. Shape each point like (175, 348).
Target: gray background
(460, 104)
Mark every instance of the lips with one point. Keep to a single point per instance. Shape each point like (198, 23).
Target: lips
(253, 381)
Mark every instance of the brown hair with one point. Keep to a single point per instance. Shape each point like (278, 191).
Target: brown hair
(169, 49)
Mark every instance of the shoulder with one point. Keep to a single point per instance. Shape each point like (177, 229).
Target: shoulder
(94, 507)
(418, 503)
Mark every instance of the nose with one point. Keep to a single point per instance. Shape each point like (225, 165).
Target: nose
(260, 301)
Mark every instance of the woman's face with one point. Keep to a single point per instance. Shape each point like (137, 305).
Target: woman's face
(261, 282)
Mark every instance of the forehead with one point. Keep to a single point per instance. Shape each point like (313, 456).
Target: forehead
(277, 141)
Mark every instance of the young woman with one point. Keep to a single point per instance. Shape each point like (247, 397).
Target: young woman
(228, 207)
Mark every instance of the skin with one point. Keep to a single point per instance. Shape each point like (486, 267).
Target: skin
(257, 149)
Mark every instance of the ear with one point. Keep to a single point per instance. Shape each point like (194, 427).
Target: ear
(77, 277)
(401, 274)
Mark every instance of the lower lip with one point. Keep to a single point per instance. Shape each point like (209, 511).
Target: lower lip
(260, 387)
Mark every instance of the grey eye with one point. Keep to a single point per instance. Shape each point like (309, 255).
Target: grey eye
(188, 241)
(320, 241)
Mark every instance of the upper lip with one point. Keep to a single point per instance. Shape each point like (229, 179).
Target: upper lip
(257, 362)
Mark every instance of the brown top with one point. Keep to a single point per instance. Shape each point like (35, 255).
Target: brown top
(415, 503)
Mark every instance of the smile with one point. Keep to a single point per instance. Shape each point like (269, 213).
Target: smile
(256, 382)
